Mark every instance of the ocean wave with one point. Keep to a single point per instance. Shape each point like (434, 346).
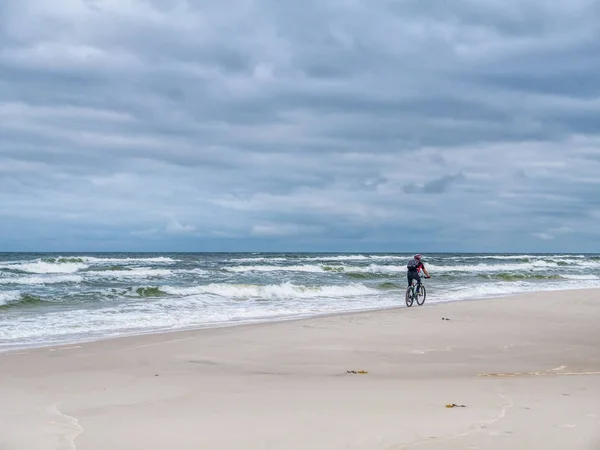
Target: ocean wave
(581, 277)
(47, 263)
(108, 268)
(536, 265)
(38, 280)
(157, 260)
(44, 266)
(533, 266)
(510, 257)
(258, 259)
(495, 289)
(9, 297)
(519, 276)
(138, 272)
(201, 272)
(133, 272)
(375, 270)
(500, 257)
(150, 291)
(592, 264)
(367, 275)
(357, 258)
(63, 260)
(296, 268)
(504, 288)
(271, 291)
(321, 268)
(13, 299)
(520, 263)
(321, 258)
(370, 271)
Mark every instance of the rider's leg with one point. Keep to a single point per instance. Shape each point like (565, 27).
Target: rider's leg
(411, 276)
(418, 278)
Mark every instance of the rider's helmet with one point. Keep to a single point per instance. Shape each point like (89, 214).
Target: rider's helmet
(418, 257)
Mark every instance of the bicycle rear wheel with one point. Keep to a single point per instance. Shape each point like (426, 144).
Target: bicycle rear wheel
(421, 294)
(408, 298)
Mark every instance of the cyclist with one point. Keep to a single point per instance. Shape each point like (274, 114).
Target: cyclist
(414, 266)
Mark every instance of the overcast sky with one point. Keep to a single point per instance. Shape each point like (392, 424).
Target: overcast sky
(314, 125)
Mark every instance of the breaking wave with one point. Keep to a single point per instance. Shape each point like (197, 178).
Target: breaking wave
(45, 266)
(278, 291)
(305, 268)
(40, 280)
(95, 294)
(62, 264)
(15, 299)
(154, 260)
(140, 272)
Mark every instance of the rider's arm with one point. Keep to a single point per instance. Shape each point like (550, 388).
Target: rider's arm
(425, 271)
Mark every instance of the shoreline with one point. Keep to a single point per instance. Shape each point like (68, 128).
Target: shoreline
(290, 318)
(526, 369)
(268, 321)
(67, 300)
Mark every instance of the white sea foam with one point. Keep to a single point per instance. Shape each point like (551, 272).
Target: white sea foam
(401, 269)
(139, 272)
(43, 267)
(476, 291)
(322, 258)
(297, 268)
(72, 264)
(580, 277)
(371, 268)
(272, 291)
(357, 258)
(404, 257)
(170, 313)
(540, 265)
(157, 260)
(258, 259)
(529, 266)
(500, 289)
(321, 268)
(510, 257)
(376, 268)
(37, 280)
(9, 297)
(589, 264)
(201, 272)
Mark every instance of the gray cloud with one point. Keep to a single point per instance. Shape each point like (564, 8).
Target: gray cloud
(436, 186)
(195, 125)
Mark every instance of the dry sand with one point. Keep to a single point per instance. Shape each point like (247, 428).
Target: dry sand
(527, 369)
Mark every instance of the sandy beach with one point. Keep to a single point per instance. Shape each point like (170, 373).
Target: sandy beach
(526, 369)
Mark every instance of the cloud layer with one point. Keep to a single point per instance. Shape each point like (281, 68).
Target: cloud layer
(330, 125)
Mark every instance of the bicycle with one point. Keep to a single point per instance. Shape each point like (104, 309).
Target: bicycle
(411, 295)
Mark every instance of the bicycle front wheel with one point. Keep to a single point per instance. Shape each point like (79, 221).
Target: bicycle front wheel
(421, 295)
(408, 298)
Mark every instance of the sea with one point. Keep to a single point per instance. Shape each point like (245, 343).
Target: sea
(52, 299)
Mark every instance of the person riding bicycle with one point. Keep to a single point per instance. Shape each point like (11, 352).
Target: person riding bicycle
(414, 266)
